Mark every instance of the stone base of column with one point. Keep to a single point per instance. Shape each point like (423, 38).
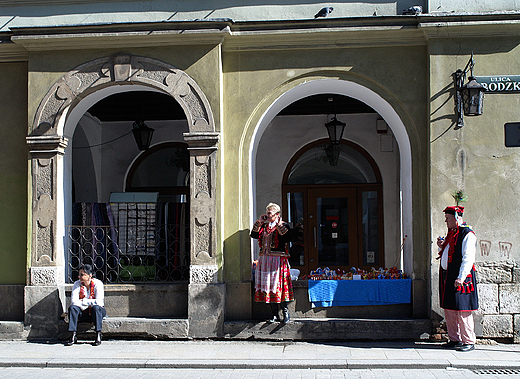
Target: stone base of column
(43, 308)
(206, 302)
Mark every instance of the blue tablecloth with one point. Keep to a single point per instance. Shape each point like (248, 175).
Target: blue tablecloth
(330, 293)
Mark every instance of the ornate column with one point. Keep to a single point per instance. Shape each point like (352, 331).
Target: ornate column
(44, 294)
(205, 294)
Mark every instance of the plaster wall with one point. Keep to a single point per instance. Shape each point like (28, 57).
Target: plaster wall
(76, 12)
(298, 131)
(13, 173)
(471, 6)
(474, 158)
(253, 81)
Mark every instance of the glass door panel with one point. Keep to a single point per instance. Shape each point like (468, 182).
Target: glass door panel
(370, 225)
(333, 222)
(295, 205)
(332, 232)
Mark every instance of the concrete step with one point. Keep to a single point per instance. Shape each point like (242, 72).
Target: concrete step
(330, 329)
(12, 330)
(132, 328)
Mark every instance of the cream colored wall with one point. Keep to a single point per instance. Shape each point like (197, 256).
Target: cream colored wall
(475, 158)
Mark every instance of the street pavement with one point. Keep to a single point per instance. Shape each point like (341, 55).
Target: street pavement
(255, 359)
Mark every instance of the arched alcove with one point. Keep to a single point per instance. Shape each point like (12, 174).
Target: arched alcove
(379, 105)
(54, 123)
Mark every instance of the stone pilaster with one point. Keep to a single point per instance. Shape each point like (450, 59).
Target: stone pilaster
(46, 264)
(205, 295)
(43, 296)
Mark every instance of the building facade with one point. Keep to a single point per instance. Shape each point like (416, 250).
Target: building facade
(238, 97)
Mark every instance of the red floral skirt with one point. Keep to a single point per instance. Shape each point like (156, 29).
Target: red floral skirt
(273, 280)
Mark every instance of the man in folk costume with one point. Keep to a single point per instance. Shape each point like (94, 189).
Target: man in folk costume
(458, 286)
(272, 276)
(87, 304)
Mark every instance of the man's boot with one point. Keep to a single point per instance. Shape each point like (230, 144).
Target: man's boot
(285, 310)
(274, 311)
(97, 342)
(72, 339)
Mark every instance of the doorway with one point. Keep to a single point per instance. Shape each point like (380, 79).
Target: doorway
(336, 211)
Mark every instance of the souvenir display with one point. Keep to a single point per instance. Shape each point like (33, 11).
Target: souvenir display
(355, 274)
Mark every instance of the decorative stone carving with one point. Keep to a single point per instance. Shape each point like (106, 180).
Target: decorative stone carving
(44, 178)
(202, 147)
(124, 68)
(203, 273)
(45, 276)
(203, 237)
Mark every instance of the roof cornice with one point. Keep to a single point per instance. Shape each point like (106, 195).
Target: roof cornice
(260, 35)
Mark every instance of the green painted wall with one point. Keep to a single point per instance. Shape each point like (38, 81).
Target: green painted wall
(13, 173)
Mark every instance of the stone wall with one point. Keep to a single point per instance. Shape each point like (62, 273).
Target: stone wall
(499, 300)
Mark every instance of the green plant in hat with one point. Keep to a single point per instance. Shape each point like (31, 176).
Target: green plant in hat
(459, 197)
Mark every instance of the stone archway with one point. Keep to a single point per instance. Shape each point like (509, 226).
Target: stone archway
(48, 142)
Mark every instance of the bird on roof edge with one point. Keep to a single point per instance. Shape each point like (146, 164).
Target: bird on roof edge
(415, 10)
(324, 12)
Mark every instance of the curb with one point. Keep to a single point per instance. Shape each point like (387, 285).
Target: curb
(257, 364)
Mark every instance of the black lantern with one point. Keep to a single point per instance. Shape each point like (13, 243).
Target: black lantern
(473, 97)
(469, 98)
(142, 134)
(335, 129)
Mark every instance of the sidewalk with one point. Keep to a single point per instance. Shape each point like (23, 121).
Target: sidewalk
(256, 354)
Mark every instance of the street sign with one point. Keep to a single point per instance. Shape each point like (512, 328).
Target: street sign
(500, 83)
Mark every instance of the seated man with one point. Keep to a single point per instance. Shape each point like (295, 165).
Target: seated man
(87, 300)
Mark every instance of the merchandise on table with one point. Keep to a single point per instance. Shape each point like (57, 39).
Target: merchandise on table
(355, 274)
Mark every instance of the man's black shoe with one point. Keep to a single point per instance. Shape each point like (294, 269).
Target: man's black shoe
(97, 342)
(465, 347)
(72, 340)
(452, 344)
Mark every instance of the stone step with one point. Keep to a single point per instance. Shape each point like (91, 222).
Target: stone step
(12, 330)
(330, 329)
(297, 329)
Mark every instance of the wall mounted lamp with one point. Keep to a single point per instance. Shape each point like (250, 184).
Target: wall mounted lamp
(142, 134)
(469, 98)
(335, 129)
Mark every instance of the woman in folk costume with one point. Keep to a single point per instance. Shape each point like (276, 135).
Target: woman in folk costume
(87, 304)
(272, 276)
(458, 286)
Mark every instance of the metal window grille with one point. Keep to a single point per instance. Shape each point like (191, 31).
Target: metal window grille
(134, 249)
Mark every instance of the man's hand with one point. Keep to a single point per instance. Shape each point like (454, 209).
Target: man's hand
(459, 282)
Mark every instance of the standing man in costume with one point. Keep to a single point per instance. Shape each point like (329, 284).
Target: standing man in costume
(458, 286)
(88, 304)
(273, 277)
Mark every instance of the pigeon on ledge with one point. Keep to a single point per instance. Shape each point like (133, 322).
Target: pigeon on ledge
(415, 10)
(324, 12)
